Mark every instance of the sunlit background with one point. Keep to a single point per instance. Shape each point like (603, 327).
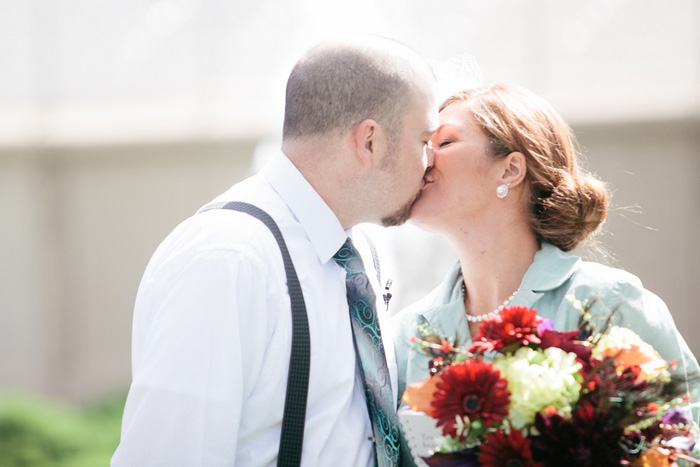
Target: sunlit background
(119, 118)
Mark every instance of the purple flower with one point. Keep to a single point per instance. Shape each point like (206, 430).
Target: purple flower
(681, 438)
(464, 458)
(675, 417)
(545, 325)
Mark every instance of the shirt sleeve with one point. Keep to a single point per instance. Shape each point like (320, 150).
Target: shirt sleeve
(196, 323)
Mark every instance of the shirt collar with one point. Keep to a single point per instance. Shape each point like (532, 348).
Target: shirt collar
(316, 218)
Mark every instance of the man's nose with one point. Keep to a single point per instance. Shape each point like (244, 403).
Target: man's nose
(429, 156)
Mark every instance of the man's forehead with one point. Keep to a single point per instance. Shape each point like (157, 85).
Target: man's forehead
(430, 132)
(433, 121)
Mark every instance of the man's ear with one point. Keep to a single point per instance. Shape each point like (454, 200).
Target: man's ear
(369, 138)
(514, 169)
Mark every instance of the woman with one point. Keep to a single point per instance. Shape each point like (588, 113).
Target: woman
(507, 192)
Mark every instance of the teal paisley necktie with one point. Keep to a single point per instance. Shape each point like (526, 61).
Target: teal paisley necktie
(369, 349)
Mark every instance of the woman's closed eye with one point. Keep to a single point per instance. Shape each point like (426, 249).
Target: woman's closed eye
(444, 143)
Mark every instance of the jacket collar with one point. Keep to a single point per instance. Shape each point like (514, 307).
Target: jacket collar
(447, 306)
(550, 268)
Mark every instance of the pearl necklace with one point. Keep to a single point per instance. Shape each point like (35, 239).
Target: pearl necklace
(480, 318)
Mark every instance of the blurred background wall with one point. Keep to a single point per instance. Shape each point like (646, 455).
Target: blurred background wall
(119, 118)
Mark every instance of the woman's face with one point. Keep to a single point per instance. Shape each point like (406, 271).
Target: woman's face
(462, 183)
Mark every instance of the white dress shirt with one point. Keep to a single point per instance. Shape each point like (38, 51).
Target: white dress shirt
(212, 337)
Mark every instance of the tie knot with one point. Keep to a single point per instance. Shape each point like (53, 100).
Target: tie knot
(349, 258)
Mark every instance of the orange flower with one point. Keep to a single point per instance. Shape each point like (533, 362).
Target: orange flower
(628, 350)
(655, 457)
(418, 396)
(446, 347)
(650, 364)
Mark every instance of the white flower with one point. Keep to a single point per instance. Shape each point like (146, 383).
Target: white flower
(538, 379)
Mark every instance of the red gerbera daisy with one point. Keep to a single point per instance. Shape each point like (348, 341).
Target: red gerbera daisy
(514, 325)
(511, 450)
(472, 389)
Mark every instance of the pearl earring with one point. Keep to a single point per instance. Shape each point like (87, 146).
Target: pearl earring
(502, 190)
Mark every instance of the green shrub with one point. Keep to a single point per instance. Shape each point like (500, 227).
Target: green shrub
(37, 433)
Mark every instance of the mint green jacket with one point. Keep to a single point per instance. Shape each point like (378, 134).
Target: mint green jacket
(552, 275)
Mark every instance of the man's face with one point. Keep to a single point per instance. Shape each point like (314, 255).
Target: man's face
(406, 163)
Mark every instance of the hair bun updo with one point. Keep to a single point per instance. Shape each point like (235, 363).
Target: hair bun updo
(575, 209)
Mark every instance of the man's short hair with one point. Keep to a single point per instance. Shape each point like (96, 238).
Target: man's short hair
(332, 88)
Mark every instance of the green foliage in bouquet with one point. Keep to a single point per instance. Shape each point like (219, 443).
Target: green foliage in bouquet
(37, 433)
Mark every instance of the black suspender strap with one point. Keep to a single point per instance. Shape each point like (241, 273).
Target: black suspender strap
(298, 380)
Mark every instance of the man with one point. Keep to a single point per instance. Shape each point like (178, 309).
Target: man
(212, 323)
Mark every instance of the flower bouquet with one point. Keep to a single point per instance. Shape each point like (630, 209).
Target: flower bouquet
(526, 395)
